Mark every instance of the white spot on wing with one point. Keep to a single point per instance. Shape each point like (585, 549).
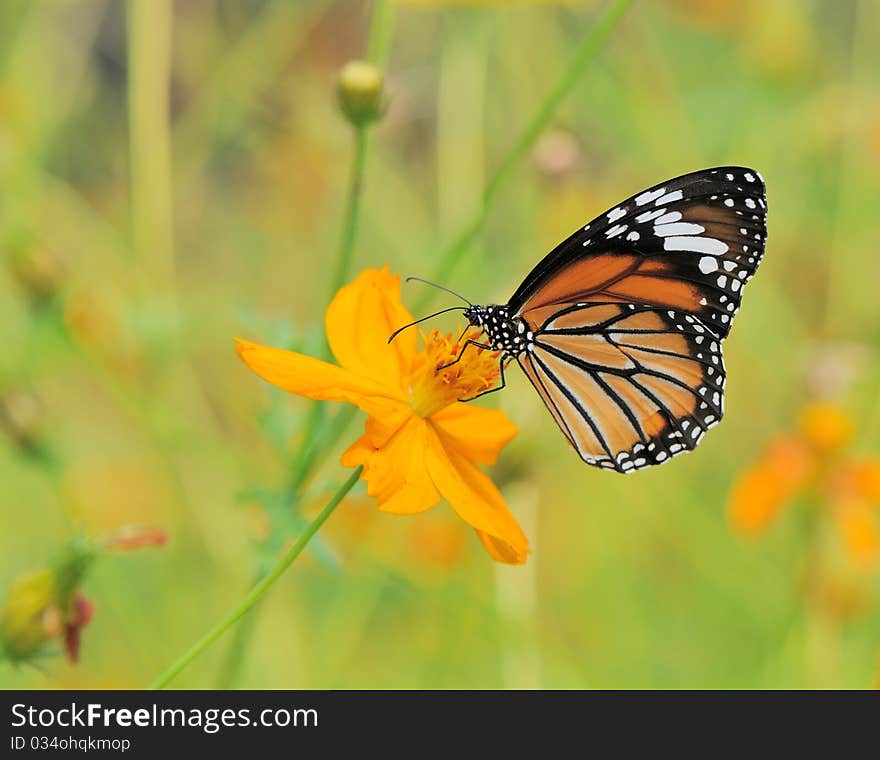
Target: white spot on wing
(672, 216)
(647, 216)
(708, 264)
(696, 244)
(649, 195)
(677, 228)
(675, 195)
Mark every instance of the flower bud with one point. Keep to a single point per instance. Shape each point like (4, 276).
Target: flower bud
(38, 270)
(46, 605)
(30, 618)
(22, 418)
(361, 93)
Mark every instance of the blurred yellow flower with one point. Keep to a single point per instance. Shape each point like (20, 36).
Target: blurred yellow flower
(420, 443)
(826, 427)
(814, 459)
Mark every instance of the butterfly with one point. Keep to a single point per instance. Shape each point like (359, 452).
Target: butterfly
(619, 328)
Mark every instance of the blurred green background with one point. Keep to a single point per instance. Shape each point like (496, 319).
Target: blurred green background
(174, 174)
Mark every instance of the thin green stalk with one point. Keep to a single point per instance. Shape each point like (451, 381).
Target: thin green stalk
(329, 436)
(351, 216)
(260, 589)
(302, 468)
(840, 305)
(586, 52)
(149, 60)
(381, 25)
(235, 656)
(378, 50)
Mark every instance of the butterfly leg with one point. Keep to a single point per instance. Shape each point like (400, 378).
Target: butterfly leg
(461, 353)
(501, 367)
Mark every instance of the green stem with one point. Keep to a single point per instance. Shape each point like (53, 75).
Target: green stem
(149, 60)
(235, 656)
(378, 50)
(302, 468)
(260, 589)
(379, 43)
(306, 463)
(351, 216)
(839, 302)
(586, 52)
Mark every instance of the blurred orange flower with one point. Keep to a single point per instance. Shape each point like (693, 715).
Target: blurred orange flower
(814, 459)
(420, 443)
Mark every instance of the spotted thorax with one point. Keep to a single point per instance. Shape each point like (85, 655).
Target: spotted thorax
(509, 335)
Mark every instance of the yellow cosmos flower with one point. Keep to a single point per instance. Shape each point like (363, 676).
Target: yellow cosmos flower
(421, 443)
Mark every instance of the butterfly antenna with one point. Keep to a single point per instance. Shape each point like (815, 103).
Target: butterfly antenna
(439, 287)
(430, 316)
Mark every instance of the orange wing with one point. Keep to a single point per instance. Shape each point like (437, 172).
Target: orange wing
(629, 386)
(690, 244)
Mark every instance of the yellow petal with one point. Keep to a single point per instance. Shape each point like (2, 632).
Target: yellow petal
(479, 434)
(305, 376)
(501, 551)
(396, 473)
(359, 322)
(475, 498)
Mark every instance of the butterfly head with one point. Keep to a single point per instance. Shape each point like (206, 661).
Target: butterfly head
(505, 333)
(476, 315)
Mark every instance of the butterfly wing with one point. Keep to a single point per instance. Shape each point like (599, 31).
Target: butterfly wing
(688, 244)
(629, 386)
(628, 315)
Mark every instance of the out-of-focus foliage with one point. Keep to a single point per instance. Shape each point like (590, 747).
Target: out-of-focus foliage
(139, 234)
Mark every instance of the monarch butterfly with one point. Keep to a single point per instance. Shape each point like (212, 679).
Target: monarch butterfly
(619, 328)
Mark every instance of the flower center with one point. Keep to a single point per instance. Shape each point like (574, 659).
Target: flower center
(431, 390)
